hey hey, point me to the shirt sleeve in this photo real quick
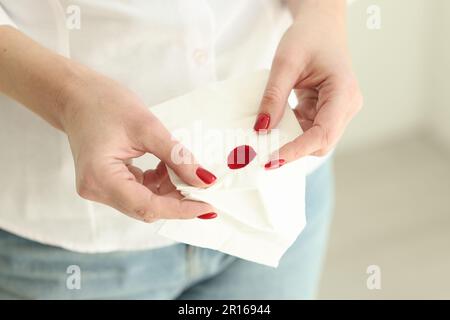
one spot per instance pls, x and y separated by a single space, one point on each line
5 19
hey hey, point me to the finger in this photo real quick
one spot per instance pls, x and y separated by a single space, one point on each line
139 202
154 177
307 103
161 143
306 108
166 187
158 180
304 123
282 79
326 129
307 143
176 195
137 173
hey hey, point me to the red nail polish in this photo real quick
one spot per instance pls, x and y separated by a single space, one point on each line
240 156
209 215
206 176
274 164
262 122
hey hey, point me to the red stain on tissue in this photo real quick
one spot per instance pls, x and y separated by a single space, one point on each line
240 157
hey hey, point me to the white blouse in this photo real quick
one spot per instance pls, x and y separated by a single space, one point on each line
160 49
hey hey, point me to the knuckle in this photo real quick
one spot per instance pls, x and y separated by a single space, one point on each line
86 186
83 191
272 95
322 152
149 213
146 215
149 217
285 61
143 124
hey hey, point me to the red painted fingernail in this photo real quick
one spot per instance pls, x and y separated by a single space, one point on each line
206 176
240 156
262 122
274 164
209 215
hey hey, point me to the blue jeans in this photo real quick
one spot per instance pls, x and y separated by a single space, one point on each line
32 270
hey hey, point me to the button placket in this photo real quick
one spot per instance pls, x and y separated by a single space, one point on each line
201 57
199 41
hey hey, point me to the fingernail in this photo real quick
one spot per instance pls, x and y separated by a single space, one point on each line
274 164
209 215
240 157
206 176
262 122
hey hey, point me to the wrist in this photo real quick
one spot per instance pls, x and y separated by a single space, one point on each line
65 94
39 79
334 9
69 96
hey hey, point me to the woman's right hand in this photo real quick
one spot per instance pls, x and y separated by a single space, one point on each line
107 126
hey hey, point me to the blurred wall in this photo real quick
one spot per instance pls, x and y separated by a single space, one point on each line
439 87
401 71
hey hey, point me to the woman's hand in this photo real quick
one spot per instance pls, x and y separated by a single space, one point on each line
312 59
107 126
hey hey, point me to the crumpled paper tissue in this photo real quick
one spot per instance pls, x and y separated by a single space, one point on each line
260 212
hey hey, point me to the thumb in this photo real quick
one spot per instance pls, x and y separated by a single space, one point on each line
282 79
177 157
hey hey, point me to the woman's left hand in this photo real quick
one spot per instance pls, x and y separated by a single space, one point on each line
312 59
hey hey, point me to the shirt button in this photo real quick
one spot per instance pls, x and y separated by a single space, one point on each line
200 56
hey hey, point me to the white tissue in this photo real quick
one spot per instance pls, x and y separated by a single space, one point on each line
260 212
